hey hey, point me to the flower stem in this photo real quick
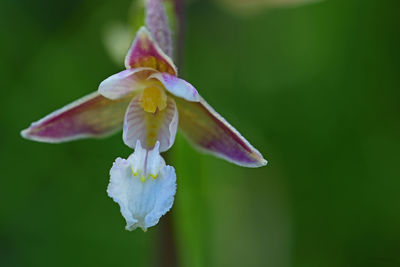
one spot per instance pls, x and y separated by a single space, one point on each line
167 247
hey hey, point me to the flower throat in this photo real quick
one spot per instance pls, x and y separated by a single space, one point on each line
153 98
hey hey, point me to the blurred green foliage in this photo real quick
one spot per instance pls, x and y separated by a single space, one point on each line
314 88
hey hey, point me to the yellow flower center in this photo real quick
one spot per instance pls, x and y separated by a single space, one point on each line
153 98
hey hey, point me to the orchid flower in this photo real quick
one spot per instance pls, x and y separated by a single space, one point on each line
148 101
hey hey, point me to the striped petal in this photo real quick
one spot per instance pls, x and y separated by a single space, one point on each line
145 52
207 130
177 87
125 82
150 127
90 116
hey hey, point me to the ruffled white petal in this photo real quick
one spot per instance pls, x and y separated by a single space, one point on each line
142 201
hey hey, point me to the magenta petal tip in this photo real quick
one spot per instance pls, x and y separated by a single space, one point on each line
90 116
211 133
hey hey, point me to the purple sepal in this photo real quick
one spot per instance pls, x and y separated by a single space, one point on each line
91 116
144 52
210 132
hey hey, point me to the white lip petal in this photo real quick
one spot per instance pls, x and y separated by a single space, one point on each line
142 201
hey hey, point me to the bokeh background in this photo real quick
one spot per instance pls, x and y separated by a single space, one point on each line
316 88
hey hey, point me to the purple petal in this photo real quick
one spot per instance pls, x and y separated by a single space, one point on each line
125 82
177 87
145 53
150 127
91 116
207 130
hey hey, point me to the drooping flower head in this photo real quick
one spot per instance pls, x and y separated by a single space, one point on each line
149 101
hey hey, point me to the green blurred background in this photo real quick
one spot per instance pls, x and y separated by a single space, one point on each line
315 88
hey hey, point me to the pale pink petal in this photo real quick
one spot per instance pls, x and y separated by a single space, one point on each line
145 53
91 116
207 130
150 127
177 87
125 82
